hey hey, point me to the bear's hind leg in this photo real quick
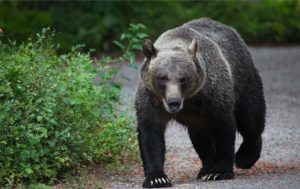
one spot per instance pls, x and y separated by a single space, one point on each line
250 118
248 153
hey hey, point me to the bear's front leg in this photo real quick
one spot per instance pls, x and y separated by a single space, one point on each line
223 131
152 148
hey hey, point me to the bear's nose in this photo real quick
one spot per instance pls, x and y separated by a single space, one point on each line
174 103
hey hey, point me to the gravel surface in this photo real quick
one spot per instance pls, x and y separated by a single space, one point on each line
279 165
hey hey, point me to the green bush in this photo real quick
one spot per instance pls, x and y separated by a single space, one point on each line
53 117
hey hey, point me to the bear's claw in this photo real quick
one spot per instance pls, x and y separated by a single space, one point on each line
157 182
210 177
216 176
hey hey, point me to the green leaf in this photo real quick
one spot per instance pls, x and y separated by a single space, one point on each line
142 35
142 26
131 57
123 36
137 47
119 44
135 40
28 170
39 118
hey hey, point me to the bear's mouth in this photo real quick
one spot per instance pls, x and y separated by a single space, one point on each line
173 105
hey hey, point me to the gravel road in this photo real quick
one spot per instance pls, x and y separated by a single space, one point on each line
279 165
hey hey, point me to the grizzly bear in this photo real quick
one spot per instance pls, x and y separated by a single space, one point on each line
202 76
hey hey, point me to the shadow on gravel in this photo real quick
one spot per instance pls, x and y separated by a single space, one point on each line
262 167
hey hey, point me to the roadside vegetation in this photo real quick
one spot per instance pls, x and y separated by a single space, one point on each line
96 24
60 112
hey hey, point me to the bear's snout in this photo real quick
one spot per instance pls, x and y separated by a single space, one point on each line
174 104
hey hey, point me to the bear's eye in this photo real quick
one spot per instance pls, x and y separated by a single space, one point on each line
162 79
182 80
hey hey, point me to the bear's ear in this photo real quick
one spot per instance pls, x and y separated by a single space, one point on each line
192 49
149 49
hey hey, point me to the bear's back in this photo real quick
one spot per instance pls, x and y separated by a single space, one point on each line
227 38
214 30
233 48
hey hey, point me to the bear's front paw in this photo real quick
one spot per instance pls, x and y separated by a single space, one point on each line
220 171
216 176
157 182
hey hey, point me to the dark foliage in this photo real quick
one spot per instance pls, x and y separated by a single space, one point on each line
97 23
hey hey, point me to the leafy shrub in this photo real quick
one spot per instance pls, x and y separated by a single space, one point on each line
130 42
53 117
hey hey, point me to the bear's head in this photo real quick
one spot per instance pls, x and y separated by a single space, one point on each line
172 74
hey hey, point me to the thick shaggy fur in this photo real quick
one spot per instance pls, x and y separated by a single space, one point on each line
221 93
